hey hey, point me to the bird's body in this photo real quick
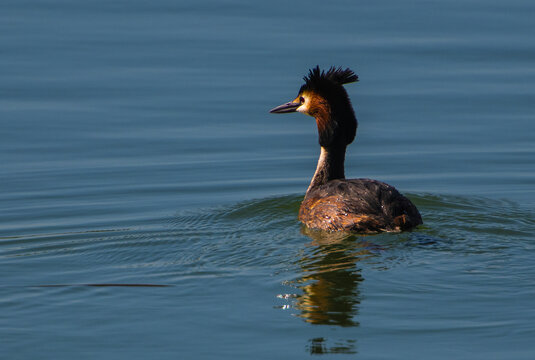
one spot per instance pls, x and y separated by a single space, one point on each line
332 202
358 205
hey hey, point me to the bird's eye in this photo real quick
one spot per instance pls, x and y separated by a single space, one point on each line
302 99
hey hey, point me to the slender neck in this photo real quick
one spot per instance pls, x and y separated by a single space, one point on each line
330 166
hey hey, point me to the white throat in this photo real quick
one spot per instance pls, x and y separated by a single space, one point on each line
321 164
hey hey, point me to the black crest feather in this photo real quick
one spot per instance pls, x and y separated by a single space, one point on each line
338 76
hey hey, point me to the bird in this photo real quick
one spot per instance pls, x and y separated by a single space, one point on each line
332 202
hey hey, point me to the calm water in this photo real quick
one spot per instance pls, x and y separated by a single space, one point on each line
136 149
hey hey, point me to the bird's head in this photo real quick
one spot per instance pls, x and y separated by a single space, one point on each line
323 97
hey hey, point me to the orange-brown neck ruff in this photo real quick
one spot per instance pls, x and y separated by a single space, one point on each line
320 109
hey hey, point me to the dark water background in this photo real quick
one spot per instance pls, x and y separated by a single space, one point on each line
136 148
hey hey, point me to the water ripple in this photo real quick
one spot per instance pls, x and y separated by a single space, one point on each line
264 235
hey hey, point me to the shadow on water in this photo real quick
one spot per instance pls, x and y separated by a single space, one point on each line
104 285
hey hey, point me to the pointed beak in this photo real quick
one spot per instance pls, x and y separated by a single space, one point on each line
285 108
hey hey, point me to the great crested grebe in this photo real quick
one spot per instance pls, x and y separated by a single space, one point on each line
332 202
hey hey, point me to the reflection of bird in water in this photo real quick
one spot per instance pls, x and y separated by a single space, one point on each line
330 279
329 284
331 201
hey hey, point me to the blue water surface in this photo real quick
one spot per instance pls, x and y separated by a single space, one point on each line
149 200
